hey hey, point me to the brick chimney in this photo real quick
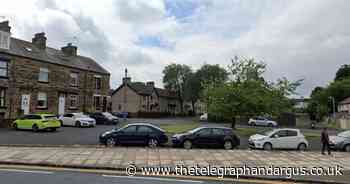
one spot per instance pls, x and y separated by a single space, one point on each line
150 83
39 40
4 26
70 50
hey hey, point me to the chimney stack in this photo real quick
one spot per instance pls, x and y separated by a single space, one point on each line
39 40
70 50
4 26
150 83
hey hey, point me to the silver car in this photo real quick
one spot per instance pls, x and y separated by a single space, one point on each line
341 141
261 121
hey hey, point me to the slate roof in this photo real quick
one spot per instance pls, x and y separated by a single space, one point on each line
345 101
50 55
142 89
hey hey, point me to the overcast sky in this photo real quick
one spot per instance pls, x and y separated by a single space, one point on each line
297 38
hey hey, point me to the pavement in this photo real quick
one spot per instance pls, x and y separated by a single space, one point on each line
120 158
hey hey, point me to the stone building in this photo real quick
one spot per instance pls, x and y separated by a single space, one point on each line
141 98
35 78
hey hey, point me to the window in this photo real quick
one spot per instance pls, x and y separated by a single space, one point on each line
281 133
217 131
204 132
97 82
130 129
68 115
144 129
2 97
4 40
44 75
292 133
73 101
119 107
74 79
97 102
42 100
33 117
3 68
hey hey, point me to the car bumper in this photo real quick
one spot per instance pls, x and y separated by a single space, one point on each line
336 146
87 124
50 125
255 145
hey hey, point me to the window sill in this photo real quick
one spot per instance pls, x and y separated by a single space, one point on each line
43 82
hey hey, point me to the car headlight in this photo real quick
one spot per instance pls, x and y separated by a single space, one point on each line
261 139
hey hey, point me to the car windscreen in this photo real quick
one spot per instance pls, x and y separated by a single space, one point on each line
194 130
344 134
267 133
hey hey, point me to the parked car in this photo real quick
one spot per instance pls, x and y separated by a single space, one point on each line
341 141
77 120
261 121
104 118
279 139
205 136
37 122
135 134
203 117
120 114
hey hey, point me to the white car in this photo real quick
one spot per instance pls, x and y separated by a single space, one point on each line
285 138
260 121
77 119
110 116
204 117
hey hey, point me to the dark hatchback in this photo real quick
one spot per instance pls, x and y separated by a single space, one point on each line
103 119
205 136
135 134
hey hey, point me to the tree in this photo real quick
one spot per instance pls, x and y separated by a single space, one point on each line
343 73
192 90
247 93
175 78
213 74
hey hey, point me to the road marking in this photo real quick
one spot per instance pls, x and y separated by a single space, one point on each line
151 178
26 171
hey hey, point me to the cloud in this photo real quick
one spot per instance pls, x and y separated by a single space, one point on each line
297 39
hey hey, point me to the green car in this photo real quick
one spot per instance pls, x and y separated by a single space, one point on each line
37 122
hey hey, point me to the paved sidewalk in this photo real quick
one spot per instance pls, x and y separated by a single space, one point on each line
122 157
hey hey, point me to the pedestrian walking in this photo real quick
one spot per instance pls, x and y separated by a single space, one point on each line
325 141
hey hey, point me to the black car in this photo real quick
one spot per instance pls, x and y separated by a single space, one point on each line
104 118
135 134
205 136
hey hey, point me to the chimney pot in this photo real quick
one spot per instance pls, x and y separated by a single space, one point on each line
39 40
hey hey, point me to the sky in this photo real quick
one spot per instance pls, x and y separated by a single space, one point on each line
297 39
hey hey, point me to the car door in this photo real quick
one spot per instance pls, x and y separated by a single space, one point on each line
143 134
292 139
279 139
203 137
218 136
128 135
23 121
67 119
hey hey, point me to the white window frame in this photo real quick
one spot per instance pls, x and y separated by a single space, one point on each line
42 96
5 40
43 71
4 68
74 76
98 77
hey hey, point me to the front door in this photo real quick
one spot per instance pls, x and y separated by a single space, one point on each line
25 103
61 104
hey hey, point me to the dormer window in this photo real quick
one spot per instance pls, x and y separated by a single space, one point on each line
5 40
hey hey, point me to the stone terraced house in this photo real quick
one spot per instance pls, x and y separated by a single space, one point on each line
139 99
35 78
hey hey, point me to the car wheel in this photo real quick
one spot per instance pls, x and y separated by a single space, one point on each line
15 126
77 124
267 146
53 129
110 142
35 128
302 147
187 144
152 143
228 145
347 148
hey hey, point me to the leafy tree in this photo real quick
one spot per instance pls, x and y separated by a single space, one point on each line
343 73
192 90
212 74
248 94
175 78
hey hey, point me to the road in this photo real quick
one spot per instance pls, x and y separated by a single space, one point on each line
89 136
32 176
